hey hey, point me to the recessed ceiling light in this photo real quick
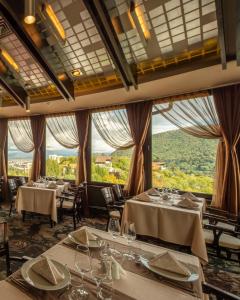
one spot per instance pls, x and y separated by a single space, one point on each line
29 12
62 76
76 73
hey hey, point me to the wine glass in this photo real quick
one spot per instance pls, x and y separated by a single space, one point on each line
114 229
83 265
129 233
101 274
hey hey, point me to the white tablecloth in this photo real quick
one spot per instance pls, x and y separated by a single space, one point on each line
169 223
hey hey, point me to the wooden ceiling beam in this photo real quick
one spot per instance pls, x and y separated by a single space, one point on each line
17 92
66 87
221 33
103 23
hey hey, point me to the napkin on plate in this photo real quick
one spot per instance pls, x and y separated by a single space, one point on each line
114 269
143 197
46 268
83 236
52 185
60 182
153 192
191 197
167 261
187 203
30 183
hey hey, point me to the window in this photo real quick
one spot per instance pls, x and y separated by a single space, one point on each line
108 164
61 162
180 160
19 163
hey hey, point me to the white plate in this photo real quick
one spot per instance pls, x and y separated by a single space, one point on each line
170 275
92 244
38 281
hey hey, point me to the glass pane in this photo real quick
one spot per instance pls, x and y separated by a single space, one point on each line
61 162
180 160
108 164
19 163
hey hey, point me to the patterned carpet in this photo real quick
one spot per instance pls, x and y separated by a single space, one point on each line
35 236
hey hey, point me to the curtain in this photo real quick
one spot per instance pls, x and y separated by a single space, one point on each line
196 116
64 130
38 129
21 133
114 128
3 163
227 103
82 120
139 117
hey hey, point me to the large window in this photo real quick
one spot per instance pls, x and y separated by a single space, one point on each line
180 160
108 165
61 162
19 163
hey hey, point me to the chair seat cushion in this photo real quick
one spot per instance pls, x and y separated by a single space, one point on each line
115 214
229 241
226 240
220 224
65 204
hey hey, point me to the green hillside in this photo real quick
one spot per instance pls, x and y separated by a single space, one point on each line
182 151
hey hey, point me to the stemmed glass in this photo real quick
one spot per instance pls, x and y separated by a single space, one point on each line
114 229
100 275
83 266
129 233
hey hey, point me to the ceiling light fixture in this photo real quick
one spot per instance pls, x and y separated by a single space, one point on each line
62 77
28 104
51 16
29 12
76 73
137 19
8 58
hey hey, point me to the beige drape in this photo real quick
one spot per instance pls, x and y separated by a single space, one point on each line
64 130
38 129
227 103
139 117
3 162
82 121
21 133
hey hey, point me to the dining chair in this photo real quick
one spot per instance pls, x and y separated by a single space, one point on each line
114 210
218 293
4 247
223 235
119 195
12 188
21 181
71 204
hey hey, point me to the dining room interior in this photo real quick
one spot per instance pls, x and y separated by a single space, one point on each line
120 149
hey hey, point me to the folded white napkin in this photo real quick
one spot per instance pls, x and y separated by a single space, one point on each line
60 182
52 185
153 192
83 236
114 270
143 197
30 183
190 196
187 203
47 269
168 262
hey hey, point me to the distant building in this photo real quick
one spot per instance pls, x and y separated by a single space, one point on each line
158 165
55 157
103 161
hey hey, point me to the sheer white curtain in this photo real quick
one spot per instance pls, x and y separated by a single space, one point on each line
21 133
64 130
113 127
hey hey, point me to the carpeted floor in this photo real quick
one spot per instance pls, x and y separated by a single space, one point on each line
35 236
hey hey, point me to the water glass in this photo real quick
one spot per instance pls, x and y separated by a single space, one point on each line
129 233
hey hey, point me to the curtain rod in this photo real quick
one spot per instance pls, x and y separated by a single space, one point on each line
123 104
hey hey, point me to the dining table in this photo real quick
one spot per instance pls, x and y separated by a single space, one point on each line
164 220
40 198
137 283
